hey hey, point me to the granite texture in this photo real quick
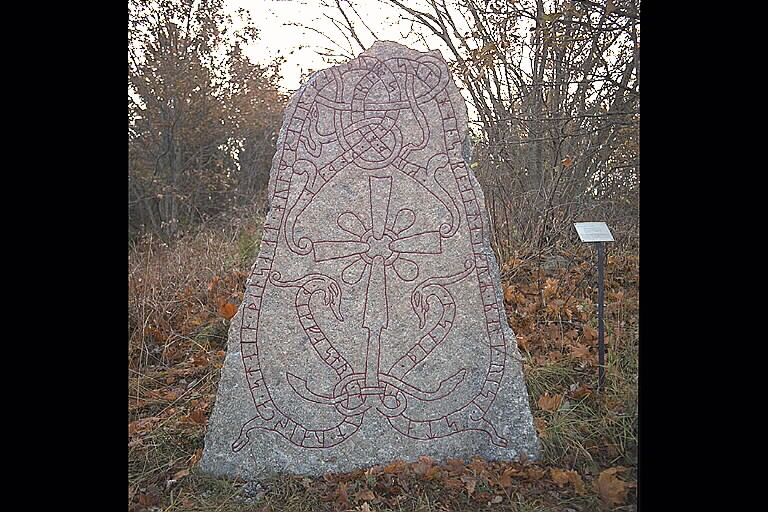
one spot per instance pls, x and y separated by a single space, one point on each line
372 326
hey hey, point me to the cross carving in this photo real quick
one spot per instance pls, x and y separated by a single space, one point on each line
379 249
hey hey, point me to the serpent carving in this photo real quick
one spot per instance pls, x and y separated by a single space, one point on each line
350 397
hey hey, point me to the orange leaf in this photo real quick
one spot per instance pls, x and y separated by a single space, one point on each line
197 416
196 457
422 466
433 472
506 476
180 474
562 477
550 403
227 310
567 161
395 467
559 476
580 351
581 391
535 473
611 489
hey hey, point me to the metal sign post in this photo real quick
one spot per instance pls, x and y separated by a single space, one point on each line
598 232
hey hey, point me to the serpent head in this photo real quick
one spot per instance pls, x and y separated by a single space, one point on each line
332 299
420 306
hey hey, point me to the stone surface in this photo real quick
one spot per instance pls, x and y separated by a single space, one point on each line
372 326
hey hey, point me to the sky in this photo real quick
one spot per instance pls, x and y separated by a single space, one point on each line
281 35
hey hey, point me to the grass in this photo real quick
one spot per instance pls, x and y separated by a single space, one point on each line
593 431
177 339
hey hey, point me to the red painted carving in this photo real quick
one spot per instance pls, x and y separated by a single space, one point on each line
377 242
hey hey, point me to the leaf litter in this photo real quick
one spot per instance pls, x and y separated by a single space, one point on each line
170 400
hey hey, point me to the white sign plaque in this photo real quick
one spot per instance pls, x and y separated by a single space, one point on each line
594 232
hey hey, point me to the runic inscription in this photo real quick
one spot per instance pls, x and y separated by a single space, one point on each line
373 298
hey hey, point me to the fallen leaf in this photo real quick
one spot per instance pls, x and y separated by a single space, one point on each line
612 490
180 474
559 476
477 464
422 466
150 497
395 467
535 473
563 477
550 403
196 457
200 360
365 507
196 416
341 494
365 495
506 476
580 351
455 466
142 425
433 472
227 310
567 161
452 483
496 499
581 391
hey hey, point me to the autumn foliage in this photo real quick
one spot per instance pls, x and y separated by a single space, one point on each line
203 118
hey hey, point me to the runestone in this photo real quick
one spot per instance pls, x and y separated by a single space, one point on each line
372 326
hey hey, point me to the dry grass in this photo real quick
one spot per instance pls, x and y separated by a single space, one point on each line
176 347
174 293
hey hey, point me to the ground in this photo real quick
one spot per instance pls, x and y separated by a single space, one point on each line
181 298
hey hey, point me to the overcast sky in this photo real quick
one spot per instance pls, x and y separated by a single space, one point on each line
279 34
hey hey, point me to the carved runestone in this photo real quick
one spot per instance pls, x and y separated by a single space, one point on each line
372 326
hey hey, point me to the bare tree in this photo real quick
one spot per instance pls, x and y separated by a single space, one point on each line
554 88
